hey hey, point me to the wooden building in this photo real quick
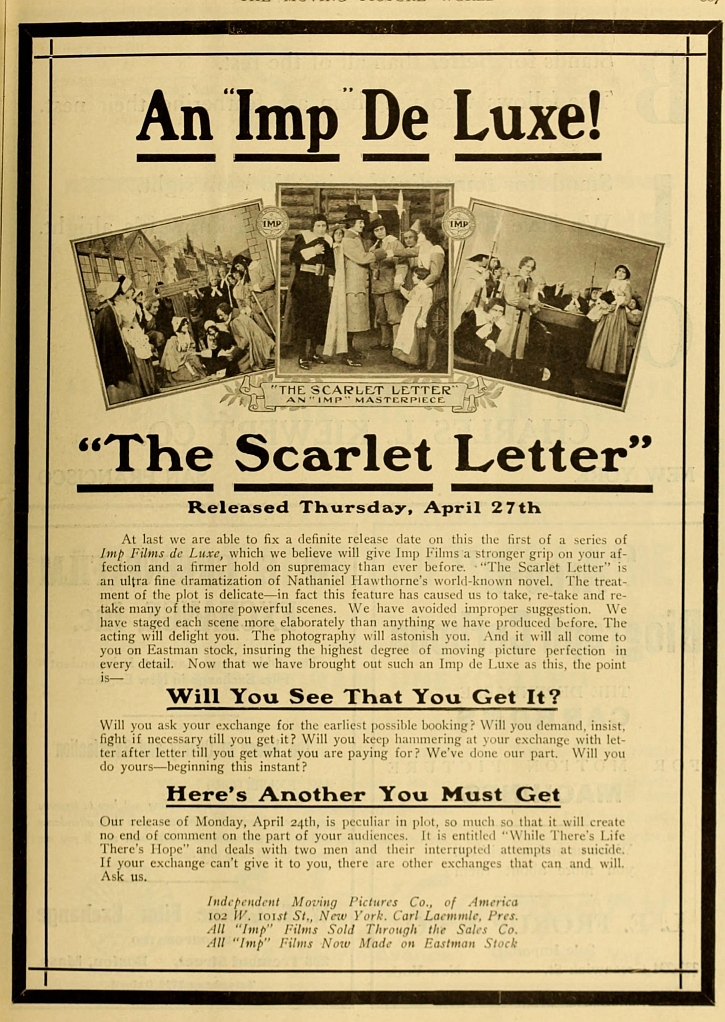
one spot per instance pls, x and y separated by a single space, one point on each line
399 207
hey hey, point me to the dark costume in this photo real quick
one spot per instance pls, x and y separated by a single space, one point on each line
165 316
308 303
115 363
125 360
212 297
237 361
573 304
470 336
195 305
553 294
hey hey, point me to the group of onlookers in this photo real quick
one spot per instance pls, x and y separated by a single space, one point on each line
144 346
345 280
349 278
495 309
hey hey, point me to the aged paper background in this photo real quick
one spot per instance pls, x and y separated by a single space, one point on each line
140 209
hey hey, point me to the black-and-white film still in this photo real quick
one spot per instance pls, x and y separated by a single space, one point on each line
364 279
551 305
178 304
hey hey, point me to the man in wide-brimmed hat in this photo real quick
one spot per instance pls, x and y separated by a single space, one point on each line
312 272
357 278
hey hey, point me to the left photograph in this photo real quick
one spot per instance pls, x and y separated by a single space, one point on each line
180 303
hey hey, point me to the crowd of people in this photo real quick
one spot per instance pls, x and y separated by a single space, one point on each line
498 325
145 347
350 278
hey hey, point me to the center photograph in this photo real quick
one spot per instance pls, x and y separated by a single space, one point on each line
364 281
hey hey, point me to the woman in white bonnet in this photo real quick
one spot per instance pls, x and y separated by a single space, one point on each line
124 350
180 361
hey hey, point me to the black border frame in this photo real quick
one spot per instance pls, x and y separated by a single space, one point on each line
26 34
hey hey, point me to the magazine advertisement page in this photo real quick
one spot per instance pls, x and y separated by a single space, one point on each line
366 416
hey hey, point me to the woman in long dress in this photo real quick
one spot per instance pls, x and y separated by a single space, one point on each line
411 339
138 348
336 332
180 361
608 352
113 353
432 257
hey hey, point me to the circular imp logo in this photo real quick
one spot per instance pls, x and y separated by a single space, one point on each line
272 222
458 223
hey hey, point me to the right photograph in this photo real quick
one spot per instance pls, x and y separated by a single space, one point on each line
551 305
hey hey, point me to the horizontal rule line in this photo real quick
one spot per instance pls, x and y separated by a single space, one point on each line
145 488
368 709
395 157
175 157
223 30
370 53
286 157
550 488
333 487
636 972
528 157
357 805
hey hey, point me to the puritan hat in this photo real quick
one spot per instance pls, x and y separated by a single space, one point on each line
354 212
107 289
479 257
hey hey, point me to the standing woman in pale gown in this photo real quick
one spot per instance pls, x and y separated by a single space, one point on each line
432 256
138 348
608 352
412 337
336 333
